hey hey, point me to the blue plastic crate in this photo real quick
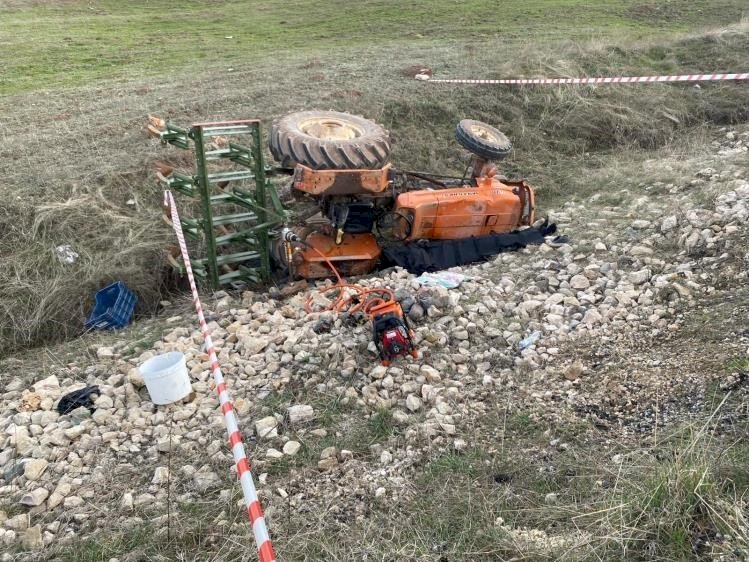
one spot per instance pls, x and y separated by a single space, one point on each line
114 307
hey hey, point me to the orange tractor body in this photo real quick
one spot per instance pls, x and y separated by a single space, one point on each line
484 206
462 212
363 204
356 254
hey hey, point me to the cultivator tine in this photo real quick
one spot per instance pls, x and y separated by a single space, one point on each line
163 170
156 126
218 143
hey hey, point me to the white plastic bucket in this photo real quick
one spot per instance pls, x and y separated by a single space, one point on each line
166 377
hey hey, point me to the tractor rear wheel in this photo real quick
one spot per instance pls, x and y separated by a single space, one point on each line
329 140
482 140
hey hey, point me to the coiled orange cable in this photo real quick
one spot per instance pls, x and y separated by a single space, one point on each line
357 299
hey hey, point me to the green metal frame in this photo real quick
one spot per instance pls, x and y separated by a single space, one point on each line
260 208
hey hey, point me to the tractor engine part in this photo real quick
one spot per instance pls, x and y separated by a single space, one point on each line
329 140
352 218
482 140
342 182
307 255
391 333
444 214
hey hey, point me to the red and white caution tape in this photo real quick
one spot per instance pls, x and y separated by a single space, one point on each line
254 510
601 80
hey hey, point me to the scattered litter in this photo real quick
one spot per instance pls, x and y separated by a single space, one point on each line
114 308
66 255
446 279
228 37
528 341
422 77
166 377
78 399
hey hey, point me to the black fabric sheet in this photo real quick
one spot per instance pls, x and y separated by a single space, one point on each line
435 255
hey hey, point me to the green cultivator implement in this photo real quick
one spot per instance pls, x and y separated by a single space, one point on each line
239 205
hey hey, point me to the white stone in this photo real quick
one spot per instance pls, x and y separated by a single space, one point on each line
48 387
35 497
8 537
291 448
34 469
105 402
413 403
328 452
592 317
135 378
57 497
431 374
160 475
73 502
126 503
300 413
640 277
669 223
266 428
579 282
205 480
105 352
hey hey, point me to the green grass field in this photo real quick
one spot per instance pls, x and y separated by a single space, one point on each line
46 45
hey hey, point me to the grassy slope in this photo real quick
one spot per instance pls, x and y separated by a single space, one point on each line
50 45
75 155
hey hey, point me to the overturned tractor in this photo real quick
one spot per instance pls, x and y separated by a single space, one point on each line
347 206
362 204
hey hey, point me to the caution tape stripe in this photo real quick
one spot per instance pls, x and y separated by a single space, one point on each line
241 462
599 79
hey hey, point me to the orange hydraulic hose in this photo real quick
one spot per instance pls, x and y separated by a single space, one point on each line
362 299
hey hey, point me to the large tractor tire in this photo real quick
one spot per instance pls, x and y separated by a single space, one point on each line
482 140
329 140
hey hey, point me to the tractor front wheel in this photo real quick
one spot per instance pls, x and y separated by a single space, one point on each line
482 140
329 140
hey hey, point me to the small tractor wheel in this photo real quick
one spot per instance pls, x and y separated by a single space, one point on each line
329 140
482 140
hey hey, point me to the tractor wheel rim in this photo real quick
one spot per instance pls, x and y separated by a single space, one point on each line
330 128
487 135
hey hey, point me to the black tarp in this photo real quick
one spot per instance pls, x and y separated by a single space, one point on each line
435 255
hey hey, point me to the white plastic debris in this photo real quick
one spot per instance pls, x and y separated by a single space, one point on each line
446 279
65 254
525 343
